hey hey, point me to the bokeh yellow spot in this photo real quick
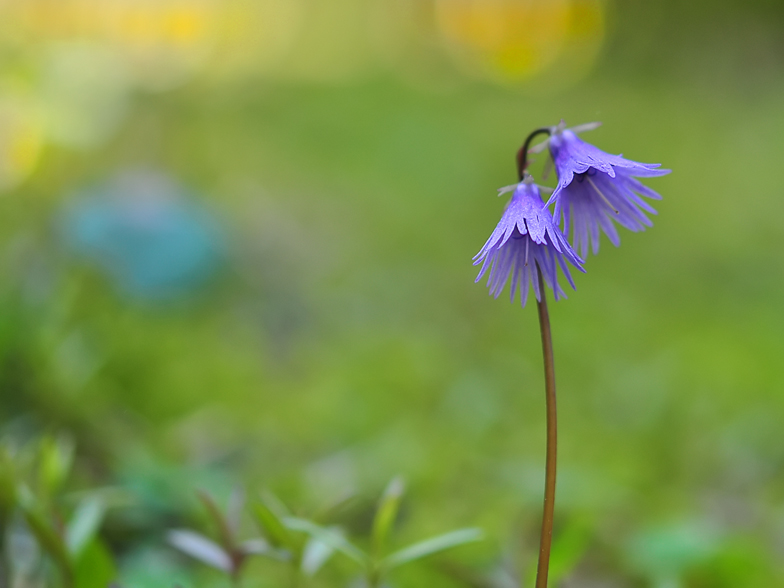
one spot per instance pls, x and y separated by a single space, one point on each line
20 140
184 26
514 40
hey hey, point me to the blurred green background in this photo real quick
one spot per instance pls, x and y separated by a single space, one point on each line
235 249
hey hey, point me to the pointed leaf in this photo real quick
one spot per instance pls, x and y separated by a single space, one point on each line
48 538
314 556
272 525
201 548
569 546
432 546
255 547
221 522
330 536
55 458
7 484
84 524
386 513
274 504
21 550
261 547
94 568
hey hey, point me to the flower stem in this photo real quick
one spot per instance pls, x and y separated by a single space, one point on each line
522 155
545 541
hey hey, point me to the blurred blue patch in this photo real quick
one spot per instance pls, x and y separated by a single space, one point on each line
147 233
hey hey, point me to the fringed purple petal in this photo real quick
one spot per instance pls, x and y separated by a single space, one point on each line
596 188
513 252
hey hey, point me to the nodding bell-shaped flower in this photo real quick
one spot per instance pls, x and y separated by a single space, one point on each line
525 239
596 188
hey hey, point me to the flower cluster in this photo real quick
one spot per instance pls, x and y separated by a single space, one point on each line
594 189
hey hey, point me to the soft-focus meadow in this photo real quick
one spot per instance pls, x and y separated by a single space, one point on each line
235 258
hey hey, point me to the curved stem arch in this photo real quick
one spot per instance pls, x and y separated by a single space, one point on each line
522 155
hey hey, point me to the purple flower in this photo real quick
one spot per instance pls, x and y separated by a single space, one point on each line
526 237
595 188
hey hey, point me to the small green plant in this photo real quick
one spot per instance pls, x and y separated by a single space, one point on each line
306 555
306 544
49 537
376 563
228 554
303 555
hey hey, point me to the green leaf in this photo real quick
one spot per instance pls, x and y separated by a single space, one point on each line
328 536
274 504
272 524
262 547
432 546
94 568
568 547
386 513
48 538
200 547
7 483
224 527
668 551
55 458
314 556
84 524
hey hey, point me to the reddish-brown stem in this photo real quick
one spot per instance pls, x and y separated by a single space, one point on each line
545 541
522 154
